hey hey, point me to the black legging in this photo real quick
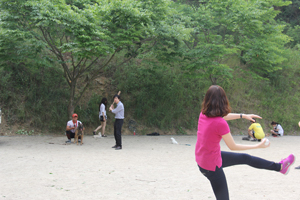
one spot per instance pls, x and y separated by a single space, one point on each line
217 178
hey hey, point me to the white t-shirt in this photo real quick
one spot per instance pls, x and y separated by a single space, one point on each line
280 129
102 109
71 124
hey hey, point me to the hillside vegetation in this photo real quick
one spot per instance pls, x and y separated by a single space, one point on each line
64 56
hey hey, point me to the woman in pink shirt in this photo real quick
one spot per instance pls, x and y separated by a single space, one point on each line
212 127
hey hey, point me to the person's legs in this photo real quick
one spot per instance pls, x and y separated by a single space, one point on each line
218 182
251 133
230 158
97 128
118 126
69 136
103 124
254 137
274 133
94 132
115 135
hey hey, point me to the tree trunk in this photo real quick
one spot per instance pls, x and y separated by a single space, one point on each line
71 106
70 109
213 80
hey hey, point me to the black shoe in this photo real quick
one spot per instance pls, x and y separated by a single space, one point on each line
246 138
114 146
94 133
118 148
254 140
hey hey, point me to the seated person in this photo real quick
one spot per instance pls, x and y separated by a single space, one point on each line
277 129
71 128
255 132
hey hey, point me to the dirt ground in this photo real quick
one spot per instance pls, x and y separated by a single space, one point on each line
148 167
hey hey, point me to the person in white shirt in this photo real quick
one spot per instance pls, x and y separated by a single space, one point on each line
71 127
277 129
102 117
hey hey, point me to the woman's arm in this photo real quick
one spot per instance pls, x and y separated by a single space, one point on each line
232 116
233 146
68 128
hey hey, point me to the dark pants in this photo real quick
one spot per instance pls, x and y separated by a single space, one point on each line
217 178
71 135
117 131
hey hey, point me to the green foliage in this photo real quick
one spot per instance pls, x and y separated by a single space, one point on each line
222 29
50 52
289 13
160 97
290 16
24 132
84 36
275 99
181 131
89 114
35 97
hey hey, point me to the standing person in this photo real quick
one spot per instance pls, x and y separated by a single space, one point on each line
255 131
119 116
102 117
71 128
212 127
277 129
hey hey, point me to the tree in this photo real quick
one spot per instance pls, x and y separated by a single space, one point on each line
234 28
84 36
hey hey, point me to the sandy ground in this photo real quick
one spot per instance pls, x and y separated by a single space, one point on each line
148 167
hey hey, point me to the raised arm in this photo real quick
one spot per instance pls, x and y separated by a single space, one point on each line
117 109
233 146
232 116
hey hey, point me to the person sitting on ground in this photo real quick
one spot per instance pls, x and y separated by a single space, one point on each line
255 132
71 128
277 129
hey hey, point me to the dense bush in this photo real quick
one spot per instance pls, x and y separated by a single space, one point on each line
35 97
162 97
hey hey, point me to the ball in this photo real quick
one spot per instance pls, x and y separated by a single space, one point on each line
267 141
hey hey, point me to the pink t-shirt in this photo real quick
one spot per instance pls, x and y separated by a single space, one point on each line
209 135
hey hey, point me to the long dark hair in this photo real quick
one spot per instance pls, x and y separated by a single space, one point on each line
215 102
103 101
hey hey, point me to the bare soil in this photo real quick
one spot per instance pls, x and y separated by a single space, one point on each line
148 167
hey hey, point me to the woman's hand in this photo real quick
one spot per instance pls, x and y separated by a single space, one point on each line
262 143
250 117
